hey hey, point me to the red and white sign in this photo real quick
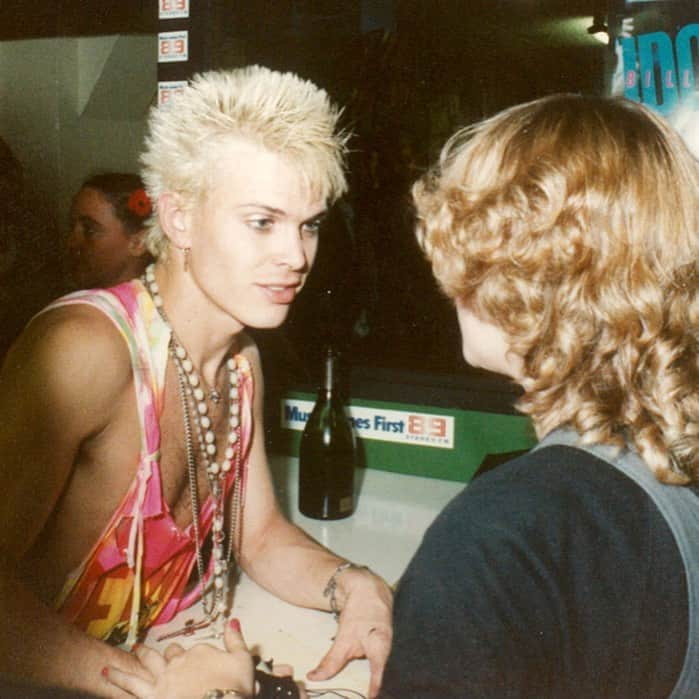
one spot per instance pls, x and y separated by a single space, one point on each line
168 90
173 46
172 9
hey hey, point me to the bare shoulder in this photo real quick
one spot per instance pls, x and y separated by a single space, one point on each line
59 386
68 354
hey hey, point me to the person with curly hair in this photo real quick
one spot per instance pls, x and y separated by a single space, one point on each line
108 221
566 231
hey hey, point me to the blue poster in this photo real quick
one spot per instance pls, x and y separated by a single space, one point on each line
657 60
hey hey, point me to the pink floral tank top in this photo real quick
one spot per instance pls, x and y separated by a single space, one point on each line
136 574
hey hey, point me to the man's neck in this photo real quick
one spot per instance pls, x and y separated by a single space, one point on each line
205 332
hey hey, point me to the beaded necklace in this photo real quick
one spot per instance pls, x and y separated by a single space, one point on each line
193 399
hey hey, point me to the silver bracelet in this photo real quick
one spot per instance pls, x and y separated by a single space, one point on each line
331 587
223 694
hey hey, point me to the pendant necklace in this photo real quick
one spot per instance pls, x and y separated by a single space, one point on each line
193 400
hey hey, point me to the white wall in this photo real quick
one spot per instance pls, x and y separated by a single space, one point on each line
72 106
29 111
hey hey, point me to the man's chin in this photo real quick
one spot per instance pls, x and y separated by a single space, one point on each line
267 323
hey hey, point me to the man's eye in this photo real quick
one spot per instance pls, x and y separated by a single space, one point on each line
312 227
260 224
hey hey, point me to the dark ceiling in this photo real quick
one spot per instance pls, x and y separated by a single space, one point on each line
23 19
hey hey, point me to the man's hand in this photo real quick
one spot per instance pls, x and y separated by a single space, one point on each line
364 628
183 674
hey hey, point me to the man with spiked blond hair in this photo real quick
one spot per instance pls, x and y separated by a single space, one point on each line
131 417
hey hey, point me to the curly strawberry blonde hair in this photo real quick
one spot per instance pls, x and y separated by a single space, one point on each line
572 223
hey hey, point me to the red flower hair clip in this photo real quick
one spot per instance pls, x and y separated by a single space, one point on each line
139 203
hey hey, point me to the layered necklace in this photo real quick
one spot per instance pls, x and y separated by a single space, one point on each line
193 397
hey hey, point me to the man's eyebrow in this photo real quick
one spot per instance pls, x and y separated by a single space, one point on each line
280 212
321 214
265 207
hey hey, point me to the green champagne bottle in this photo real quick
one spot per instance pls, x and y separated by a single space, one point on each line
328 453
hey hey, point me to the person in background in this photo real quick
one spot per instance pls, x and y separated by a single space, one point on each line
131 430
566 232
106 244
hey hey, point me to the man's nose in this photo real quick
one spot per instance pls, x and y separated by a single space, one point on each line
292 251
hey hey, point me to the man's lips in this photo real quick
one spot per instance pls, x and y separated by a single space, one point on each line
281 293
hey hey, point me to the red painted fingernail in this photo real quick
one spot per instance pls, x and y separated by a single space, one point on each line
235 625
105 671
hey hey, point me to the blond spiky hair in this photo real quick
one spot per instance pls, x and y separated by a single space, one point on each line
278 111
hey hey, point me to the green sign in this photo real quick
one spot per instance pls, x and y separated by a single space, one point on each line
414 439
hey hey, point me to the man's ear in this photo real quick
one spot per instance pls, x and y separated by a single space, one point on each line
173 217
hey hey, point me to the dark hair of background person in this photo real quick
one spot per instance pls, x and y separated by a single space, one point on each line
117 187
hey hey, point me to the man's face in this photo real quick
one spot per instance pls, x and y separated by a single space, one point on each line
98 244
254 235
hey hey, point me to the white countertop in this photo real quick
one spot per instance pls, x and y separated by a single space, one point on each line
393 511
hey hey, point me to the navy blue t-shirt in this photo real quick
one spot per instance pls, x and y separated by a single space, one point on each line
551 576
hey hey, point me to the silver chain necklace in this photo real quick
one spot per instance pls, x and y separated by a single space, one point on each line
192 398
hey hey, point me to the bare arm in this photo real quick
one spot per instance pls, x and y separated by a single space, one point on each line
55 394
273 550
286 561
